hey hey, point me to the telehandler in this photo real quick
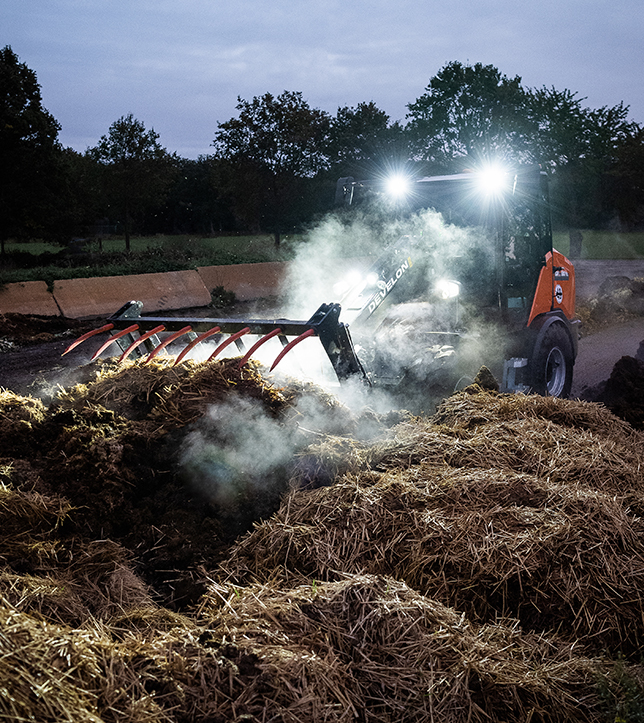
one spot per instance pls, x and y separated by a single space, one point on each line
430 311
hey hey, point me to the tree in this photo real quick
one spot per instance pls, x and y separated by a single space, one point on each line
137 170
29 151
268 157
579 146
363 142
194 204
469 113
474 113
627 179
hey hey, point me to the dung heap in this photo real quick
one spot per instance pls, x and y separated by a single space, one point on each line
205 543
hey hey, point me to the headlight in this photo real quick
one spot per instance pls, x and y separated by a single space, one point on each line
447 289
350 281
397 186
493 179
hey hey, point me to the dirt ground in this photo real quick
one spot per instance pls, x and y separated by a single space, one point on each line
600 351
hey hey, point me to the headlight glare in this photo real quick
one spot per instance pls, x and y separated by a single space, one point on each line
447 289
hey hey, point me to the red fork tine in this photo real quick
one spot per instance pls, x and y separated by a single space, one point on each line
194 342
167 341
257 344
290 345
86 336
230 340
113 338
139 341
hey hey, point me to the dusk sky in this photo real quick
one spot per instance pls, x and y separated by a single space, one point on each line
179 65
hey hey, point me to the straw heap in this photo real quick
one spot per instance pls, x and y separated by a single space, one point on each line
482 565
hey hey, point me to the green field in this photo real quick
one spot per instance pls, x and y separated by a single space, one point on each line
148 255
604 244
251 249
175 253
219 249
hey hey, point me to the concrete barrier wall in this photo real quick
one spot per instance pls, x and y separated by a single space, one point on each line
85 298
247 281
28 297
96 297
102 296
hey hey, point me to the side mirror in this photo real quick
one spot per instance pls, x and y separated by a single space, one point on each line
344 191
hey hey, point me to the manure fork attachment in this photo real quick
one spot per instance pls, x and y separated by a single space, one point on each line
133 332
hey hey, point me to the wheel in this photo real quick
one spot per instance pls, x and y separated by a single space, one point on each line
552 363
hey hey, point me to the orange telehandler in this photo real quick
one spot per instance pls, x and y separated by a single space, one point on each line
429 312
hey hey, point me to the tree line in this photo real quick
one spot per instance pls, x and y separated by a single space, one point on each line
274 165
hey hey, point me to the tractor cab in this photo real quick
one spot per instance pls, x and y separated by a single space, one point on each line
480 262
494 239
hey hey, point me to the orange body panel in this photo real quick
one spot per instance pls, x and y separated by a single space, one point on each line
555 288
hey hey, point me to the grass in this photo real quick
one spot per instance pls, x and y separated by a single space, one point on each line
46 262
604 244
226 249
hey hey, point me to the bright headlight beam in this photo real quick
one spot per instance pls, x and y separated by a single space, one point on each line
350 281
397 186
447 289
493 179
372 279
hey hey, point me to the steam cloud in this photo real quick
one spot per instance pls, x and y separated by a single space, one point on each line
240 454
236 446
338 248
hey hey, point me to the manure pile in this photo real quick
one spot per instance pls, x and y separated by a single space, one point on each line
202 543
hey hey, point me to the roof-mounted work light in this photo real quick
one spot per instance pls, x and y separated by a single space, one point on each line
397 186
493 179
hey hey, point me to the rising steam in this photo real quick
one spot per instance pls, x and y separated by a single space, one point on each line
235 448
398 338
240 455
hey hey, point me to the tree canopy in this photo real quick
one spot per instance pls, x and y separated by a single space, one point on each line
364 141
137 169
28 148
473 113
267 154
469 112
275 163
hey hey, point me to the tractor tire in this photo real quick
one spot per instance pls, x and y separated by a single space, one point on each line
552 363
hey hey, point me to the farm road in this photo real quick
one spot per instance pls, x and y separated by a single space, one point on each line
591 273
599 352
